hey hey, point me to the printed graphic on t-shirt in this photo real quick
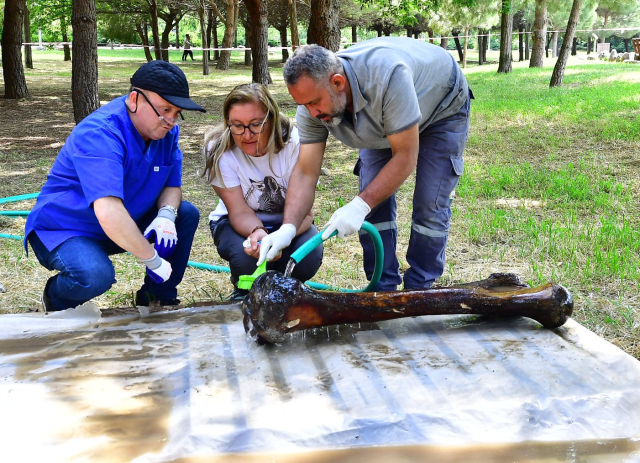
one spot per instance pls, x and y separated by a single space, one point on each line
271 194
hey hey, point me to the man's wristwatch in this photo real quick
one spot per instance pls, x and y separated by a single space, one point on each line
171 208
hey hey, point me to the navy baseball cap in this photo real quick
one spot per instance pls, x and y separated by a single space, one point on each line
168 81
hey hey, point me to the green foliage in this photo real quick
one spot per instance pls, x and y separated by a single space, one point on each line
402 11
50 16
116 28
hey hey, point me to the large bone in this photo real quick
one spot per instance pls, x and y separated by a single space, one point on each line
277 305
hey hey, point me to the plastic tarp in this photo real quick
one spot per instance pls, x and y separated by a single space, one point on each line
190 383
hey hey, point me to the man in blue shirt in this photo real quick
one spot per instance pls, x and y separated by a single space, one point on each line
114 187
405 104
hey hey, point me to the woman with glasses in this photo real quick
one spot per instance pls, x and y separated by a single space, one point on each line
248 160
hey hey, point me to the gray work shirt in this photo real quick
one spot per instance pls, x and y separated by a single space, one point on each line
396 82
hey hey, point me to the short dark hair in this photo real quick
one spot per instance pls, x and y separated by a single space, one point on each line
312 61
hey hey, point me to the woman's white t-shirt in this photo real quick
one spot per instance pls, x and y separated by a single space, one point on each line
264 180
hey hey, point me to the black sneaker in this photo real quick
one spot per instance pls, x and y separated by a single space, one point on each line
145 299
238 294
47 305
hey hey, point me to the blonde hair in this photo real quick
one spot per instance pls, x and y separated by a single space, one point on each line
219 139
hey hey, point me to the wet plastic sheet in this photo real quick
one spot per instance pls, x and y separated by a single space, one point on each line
191 383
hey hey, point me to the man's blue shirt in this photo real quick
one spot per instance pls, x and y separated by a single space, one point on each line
103 156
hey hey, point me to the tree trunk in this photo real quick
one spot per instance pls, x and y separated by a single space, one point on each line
558 70
324 24
229 31
293 20
604 26
155 29
521 43
444 42
203 37
248 42
526 45
546 48
66 48
485 45
65 39
216 43
554 44
171 19
589 45
283 44
15 85
178 36
574 45
504 65
458 46
480 37
626 45
164 41
210 27
235 21
354 34
257 10
28 56
84 65
141 28
430 33
465 48
539 34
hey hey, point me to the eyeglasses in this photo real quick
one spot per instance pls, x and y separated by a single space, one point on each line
255 128
169 120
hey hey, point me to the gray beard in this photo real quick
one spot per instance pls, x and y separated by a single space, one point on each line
335 121
340 104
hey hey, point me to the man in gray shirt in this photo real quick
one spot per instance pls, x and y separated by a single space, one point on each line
405 104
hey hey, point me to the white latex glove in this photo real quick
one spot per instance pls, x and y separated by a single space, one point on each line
348 219
158 269
163 231
275 242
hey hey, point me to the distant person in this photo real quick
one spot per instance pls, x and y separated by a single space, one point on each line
186 45
115 185
248 160
405 104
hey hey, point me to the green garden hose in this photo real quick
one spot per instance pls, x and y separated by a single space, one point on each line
307 247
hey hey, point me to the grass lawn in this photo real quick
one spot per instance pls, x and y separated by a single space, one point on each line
550 190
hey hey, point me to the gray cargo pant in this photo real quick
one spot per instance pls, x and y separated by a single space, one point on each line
439 168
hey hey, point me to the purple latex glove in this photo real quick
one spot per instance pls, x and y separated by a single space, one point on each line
158 269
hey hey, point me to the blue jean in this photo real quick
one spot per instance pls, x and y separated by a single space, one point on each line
85 270
229 245
440 165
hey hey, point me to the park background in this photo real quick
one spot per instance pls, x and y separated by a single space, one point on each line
551 184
